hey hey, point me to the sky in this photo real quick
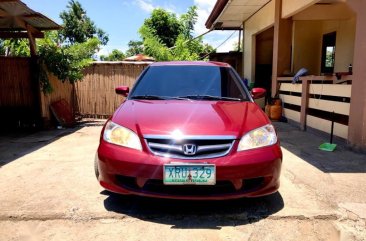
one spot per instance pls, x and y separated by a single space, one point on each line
121 19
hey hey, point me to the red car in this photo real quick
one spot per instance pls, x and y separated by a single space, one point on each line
189 130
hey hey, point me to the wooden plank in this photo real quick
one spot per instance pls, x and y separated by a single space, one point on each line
294 100
291 87
331 89
291 114
9 35
15 83
325 125
327 105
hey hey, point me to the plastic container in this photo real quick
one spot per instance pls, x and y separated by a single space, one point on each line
277 102
275 112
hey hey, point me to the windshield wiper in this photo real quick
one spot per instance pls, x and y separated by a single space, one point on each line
148 97
156 97
210 97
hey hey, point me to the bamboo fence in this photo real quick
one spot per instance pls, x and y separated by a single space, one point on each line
95 95
60 91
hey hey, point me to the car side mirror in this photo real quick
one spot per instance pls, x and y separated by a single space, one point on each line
258 93
122 90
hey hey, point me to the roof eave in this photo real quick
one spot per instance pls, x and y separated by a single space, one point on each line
215 13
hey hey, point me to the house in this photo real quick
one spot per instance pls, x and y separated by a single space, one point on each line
326 37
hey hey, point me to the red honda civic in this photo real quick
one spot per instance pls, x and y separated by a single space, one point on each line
189 130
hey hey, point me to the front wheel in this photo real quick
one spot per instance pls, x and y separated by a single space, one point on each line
96 169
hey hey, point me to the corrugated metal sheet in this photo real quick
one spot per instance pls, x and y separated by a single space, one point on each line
12 11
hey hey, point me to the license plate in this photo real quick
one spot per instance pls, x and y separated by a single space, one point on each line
194 174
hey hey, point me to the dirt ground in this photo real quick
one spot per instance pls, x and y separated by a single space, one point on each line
48 191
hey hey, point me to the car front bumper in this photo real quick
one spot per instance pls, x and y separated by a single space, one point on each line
239 174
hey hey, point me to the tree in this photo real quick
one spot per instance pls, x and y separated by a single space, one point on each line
165 25
188 20
64 61
134 48
172 44
64 53
78 27
115 55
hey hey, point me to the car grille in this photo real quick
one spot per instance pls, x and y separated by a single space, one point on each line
191 147
222 187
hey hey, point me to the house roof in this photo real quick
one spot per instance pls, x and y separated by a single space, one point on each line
16 18
139 57
231 14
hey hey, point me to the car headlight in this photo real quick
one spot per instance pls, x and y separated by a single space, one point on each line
263 136
122 136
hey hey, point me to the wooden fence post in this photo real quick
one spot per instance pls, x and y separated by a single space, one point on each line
304 102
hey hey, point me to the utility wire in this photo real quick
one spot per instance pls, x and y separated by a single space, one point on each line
189 40
219 45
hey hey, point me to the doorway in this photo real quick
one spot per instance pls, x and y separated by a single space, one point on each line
328 53
264 60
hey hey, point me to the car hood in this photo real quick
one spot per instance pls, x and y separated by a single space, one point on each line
162 117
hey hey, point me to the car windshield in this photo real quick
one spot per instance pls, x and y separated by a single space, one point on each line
189 82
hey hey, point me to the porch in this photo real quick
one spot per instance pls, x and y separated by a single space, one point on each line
326 38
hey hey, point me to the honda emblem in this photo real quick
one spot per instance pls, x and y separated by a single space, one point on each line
189 149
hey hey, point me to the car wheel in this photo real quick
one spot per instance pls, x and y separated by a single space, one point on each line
96 170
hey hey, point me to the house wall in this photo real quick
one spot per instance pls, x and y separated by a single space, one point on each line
307 44
344 43
357 132
260 21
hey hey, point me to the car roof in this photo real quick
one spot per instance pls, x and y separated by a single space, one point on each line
195 63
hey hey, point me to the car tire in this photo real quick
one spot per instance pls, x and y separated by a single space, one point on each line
96 169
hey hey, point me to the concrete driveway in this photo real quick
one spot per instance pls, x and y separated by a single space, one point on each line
48 191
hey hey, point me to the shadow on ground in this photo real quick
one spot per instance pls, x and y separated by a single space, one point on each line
15 144
305 145
183 214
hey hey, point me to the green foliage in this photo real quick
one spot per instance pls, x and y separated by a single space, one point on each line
164 42
134 48
78 27
65 61
188 20
165 25
115 55
154 46
16 47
